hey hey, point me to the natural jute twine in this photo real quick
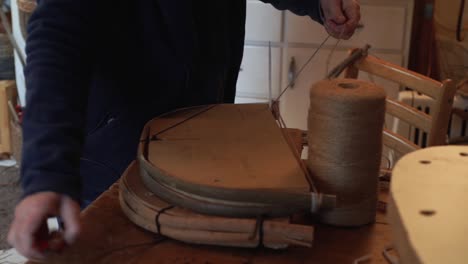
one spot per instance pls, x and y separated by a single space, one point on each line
345 122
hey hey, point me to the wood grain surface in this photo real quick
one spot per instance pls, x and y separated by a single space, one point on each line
219 149
109 237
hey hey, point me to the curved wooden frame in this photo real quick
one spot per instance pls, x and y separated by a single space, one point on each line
218 200
142 207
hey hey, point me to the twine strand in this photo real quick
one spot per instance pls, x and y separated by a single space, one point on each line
156 219
284 126
330 55
297 155
155 136
302 68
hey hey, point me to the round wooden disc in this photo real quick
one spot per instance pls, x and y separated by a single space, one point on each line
429 190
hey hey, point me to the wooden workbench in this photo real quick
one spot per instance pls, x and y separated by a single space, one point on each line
109 237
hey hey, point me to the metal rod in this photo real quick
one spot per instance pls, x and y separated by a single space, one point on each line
348 61
303 67
269 75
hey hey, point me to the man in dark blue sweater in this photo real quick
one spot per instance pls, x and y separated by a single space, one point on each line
98 70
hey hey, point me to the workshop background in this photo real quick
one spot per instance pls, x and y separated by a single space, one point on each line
426 36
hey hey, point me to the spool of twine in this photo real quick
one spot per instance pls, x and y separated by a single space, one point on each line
345 122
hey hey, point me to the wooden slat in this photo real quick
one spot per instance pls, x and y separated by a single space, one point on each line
398 143
460 113
400 75
441 92
441 113
409 114
463 140
6 91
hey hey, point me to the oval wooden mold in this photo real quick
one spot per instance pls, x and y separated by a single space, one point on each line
142 207
227 160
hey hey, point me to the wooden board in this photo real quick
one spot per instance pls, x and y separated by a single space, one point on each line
427 209
7 90
108 236
228 146
227 160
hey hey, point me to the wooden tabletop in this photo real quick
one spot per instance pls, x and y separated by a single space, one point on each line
109 237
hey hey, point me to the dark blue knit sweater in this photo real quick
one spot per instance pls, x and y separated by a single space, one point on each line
98 70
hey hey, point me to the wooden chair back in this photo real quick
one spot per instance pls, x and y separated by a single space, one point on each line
435 124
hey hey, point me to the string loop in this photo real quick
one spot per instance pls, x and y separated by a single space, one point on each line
158 224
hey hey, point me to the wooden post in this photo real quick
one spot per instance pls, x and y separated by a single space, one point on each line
7 92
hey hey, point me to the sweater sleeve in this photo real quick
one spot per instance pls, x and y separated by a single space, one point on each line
59 55
311 8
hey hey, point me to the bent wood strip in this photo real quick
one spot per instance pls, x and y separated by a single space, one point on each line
270 239
138 197
141 207
201 237
218 207
227 208
149 171
283 230
280 189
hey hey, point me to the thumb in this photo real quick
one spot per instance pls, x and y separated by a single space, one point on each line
333 11
70 213
351 9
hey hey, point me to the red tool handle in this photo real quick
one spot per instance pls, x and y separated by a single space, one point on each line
49 241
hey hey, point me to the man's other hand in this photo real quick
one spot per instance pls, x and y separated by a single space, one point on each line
341 17
32 212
